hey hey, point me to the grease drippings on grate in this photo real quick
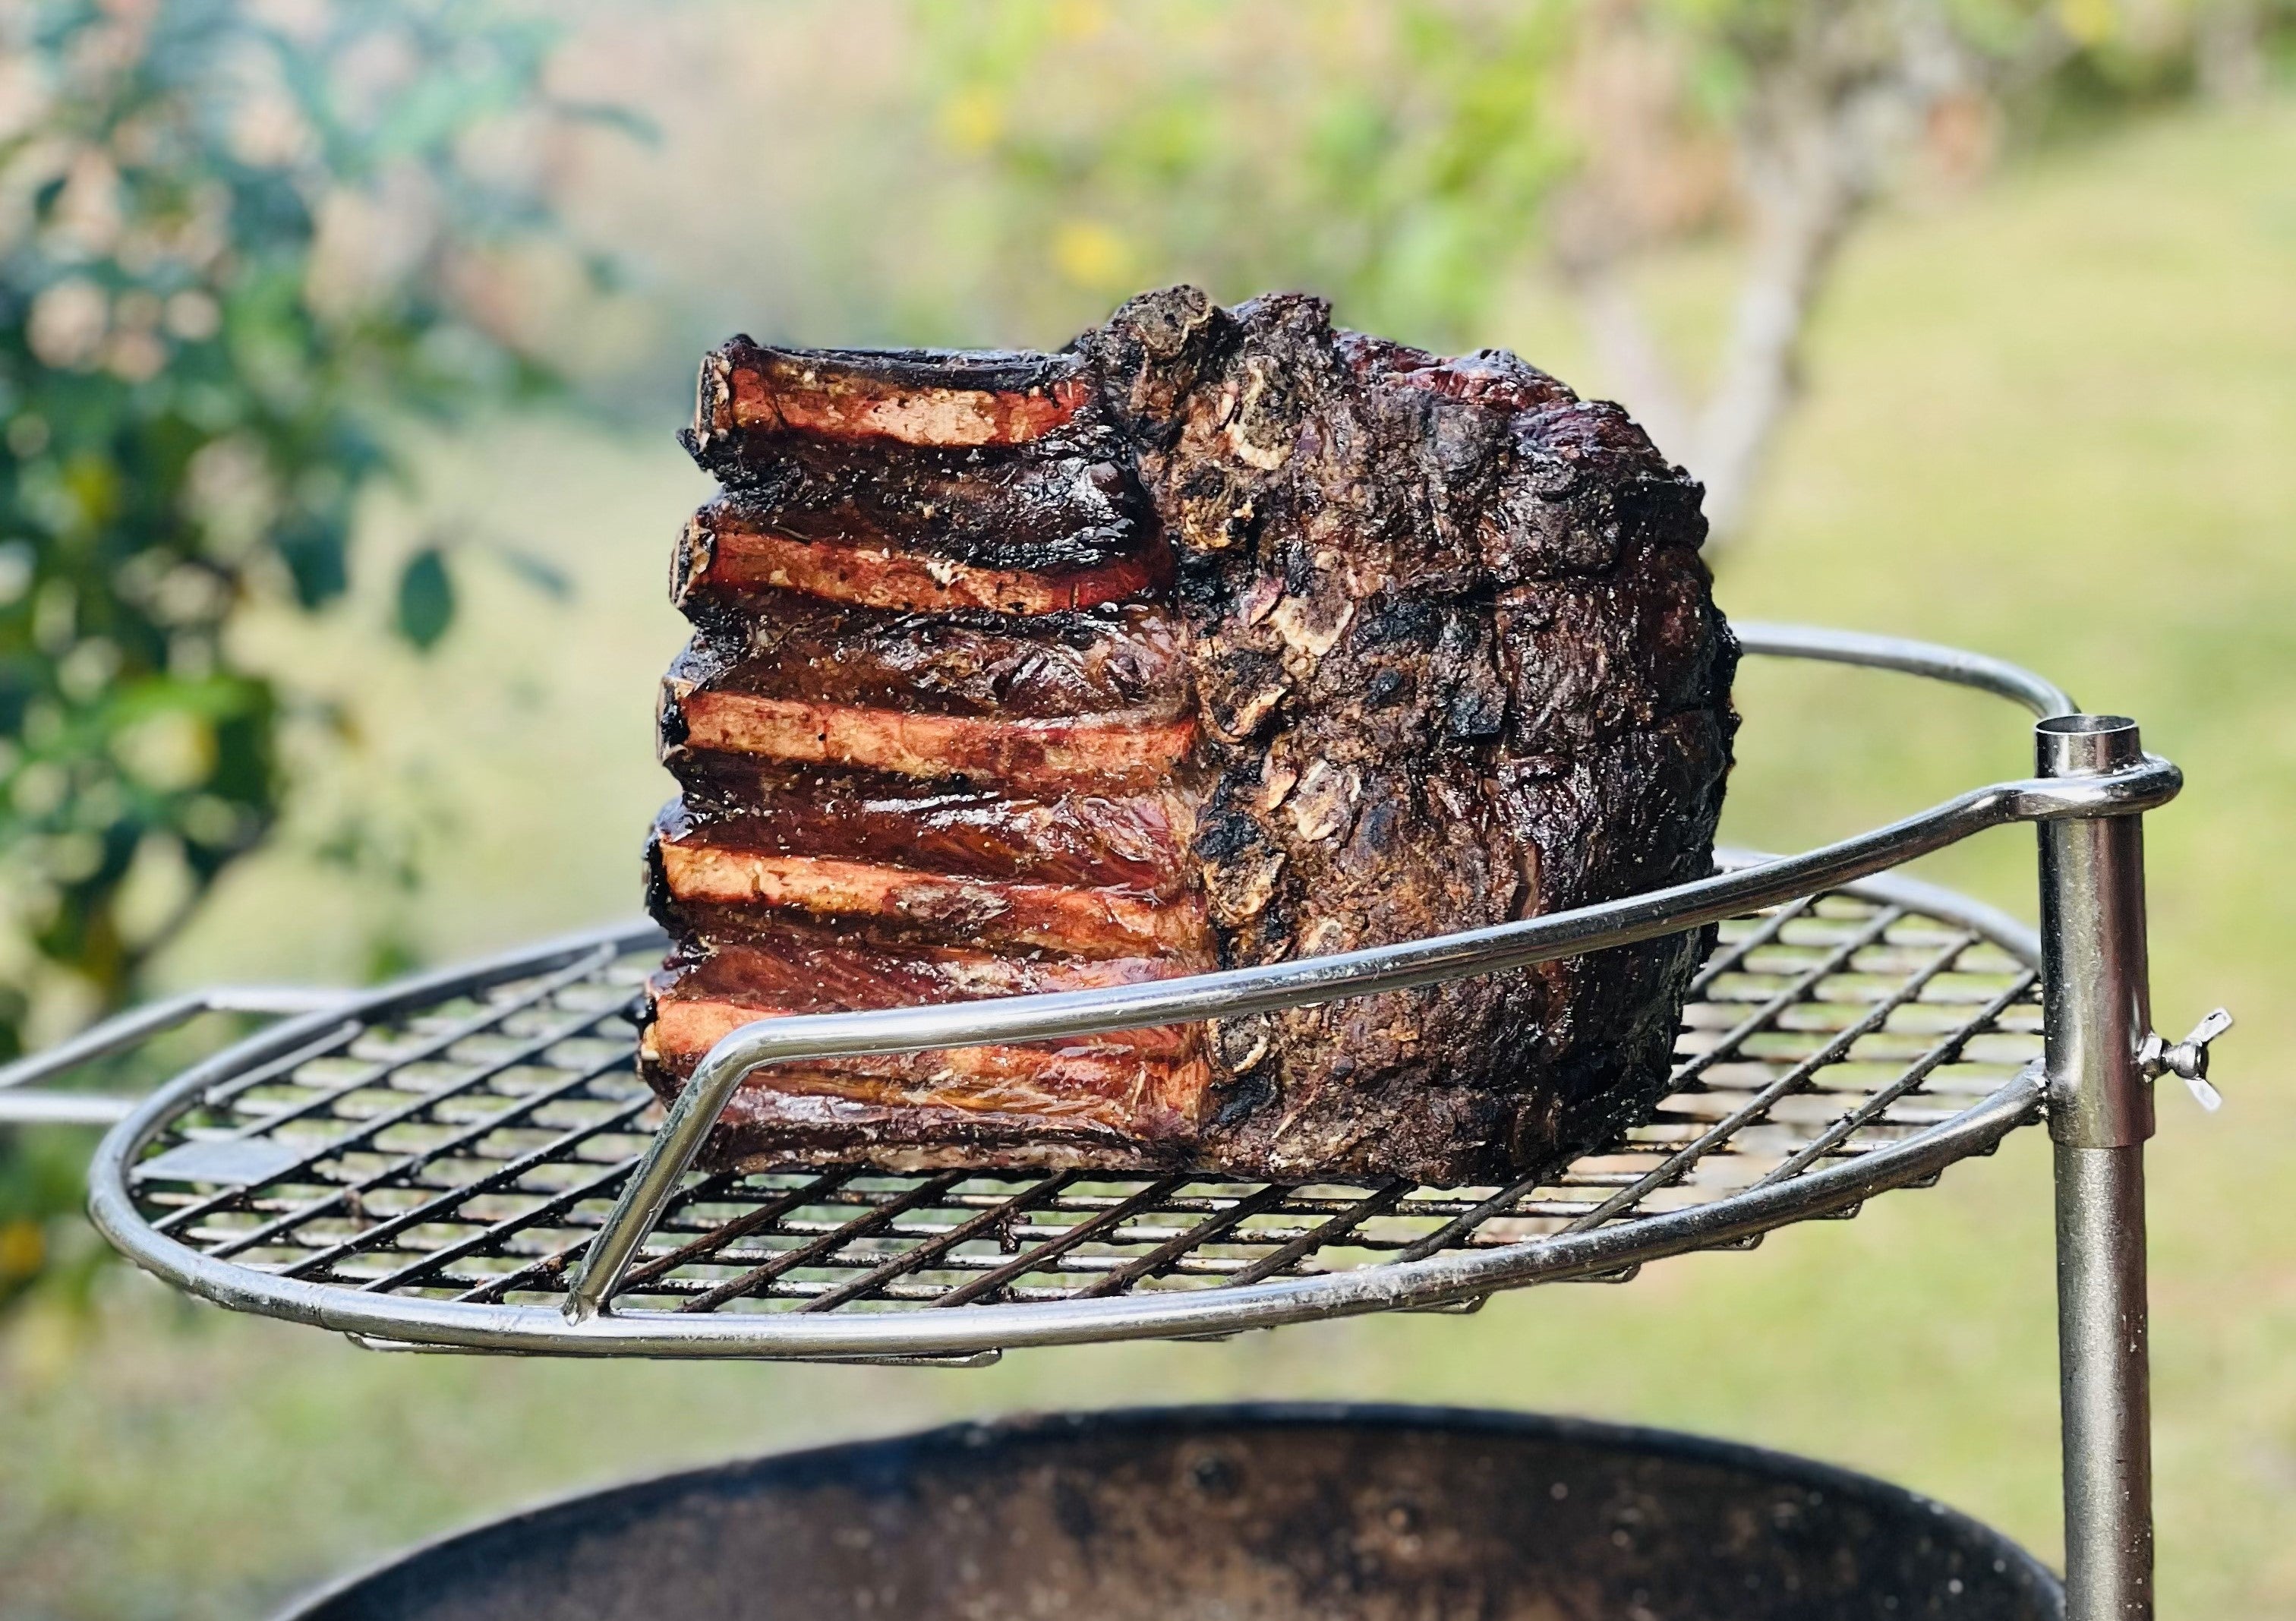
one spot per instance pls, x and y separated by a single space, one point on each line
469 1149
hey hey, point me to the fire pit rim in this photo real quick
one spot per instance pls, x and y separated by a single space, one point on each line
857 1462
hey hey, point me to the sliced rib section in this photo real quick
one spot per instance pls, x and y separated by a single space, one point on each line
1114 751
929 734
911 397
728 550
1066 503
1138 1092
1135 842
1123 660
1068 701
695 868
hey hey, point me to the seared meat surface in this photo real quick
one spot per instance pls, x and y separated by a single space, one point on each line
1224 637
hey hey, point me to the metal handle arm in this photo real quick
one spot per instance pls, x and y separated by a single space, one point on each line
1954 665
21 1105
2149 782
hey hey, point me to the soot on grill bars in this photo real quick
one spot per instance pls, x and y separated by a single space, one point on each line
1221 637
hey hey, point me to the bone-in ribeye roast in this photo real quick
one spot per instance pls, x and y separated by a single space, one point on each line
1222 637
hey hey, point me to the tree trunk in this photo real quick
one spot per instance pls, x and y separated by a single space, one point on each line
1798 229
2228 50
1628 350
1841 92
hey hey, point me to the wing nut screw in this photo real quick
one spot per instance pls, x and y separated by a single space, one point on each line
2188 1059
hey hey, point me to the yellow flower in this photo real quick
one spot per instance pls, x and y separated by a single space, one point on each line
1090 254
22 1247
972 119
1077 18
2089 21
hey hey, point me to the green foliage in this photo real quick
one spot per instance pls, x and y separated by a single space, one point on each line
39 1178
1415 157
1387 153
426 598
236 251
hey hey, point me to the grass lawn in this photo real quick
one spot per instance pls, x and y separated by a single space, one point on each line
2057 421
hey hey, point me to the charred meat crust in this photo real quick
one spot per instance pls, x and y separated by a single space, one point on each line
1125 659
1431 647
1457 661
1137 842
890 1130
1065 504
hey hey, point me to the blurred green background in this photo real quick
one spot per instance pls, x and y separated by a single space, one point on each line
339 488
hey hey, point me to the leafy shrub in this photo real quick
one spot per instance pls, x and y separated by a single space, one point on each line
238 244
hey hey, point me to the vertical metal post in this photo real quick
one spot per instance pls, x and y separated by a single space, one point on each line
2097 1011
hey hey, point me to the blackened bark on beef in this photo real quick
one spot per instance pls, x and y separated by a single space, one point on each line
1135 842
1125 658
1070 505
1457 662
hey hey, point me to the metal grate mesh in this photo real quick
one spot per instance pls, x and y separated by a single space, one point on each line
469 1150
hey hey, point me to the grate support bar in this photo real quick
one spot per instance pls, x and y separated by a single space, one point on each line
2097 1010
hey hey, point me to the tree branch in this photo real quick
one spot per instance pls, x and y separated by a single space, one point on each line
1798 230
1629 351
2228 50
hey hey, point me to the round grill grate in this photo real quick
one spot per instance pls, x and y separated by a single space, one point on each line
466 1148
